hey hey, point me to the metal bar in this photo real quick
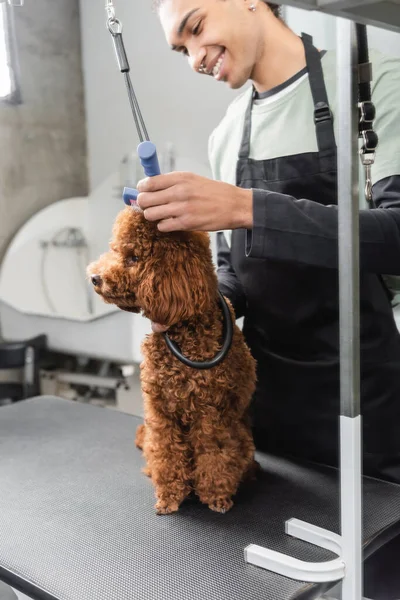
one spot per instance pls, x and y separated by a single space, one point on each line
303 4
379 13
342 4
349 301
351 507
348 205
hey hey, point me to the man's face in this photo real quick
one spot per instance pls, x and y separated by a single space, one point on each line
221 35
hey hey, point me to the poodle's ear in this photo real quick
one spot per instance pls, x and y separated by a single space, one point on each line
179 284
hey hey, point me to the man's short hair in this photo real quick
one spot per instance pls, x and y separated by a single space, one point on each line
276 9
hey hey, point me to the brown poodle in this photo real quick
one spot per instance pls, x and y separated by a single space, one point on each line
196 436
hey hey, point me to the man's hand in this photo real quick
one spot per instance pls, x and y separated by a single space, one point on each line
187 202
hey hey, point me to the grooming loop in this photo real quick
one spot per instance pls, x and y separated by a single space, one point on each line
114 26
219 357
346 566
147 153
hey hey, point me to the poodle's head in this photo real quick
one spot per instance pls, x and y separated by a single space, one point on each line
168 277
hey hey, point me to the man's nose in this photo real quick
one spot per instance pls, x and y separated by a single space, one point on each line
198 61
96 280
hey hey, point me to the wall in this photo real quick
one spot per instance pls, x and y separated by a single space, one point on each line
317 24
43 140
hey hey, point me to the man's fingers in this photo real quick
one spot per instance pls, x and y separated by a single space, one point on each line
159 213
161 182
149 199
169 225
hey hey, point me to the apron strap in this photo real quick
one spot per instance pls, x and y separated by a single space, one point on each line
323 117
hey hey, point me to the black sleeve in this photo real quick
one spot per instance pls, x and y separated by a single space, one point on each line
228 283
306 232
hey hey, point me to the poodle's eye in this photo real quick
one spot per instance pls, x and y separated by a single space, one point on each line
131 260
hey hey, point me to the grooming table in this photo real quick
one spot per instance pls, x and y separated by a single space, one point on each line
77 520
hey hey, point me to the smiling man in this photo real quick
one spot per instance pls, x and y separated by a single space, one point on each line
274 161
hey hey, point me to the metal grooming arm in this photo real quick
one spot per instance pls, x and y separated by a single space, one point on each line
348 566
380 13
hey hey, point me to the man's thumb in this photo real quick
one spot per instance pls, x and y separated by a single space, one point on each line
158 328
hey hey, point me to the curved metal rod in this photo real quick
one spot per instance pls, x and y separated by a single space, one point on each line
219 357
299 570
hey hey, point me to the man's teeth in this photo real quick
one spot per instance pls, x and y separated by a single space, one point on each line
217 67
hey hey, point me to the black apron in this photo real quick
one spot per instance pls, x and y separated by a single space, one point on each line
292 319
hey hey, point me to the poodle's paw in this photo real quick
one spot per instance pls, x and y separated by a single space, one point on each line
147 471
140 432
221 504
164 507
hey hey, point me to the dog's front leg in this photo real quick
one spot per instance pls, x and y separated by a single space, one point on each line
169 460
220 461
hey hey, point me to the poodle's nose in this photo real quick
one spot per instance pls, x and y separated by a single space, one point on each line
96 280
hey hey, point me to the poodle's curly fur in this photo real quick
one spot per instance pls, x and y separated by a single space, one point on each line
196 435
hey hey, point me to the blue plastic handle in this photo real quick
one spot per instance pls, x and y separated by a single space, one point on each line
147 153
130 196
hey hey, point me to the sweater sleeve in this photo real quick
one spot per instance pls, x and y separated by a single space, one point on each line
303 231
228 283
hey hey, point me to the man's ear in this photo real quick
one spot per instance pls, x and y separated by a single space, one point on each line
178 287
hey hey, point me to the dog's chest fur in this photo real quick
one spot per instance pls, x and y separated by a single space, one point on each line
188 394
183 391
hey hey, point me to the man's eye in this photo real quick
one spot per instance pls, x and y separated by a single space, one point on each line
196 29
181 50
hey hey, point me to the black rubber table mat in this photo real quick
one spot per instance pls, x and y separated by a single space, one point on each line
77 520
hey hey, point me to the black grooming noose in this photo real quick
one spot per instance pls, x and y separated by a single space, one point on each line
227 335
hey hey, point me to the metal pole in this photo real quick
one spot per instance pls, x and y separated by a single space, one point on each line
348 205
